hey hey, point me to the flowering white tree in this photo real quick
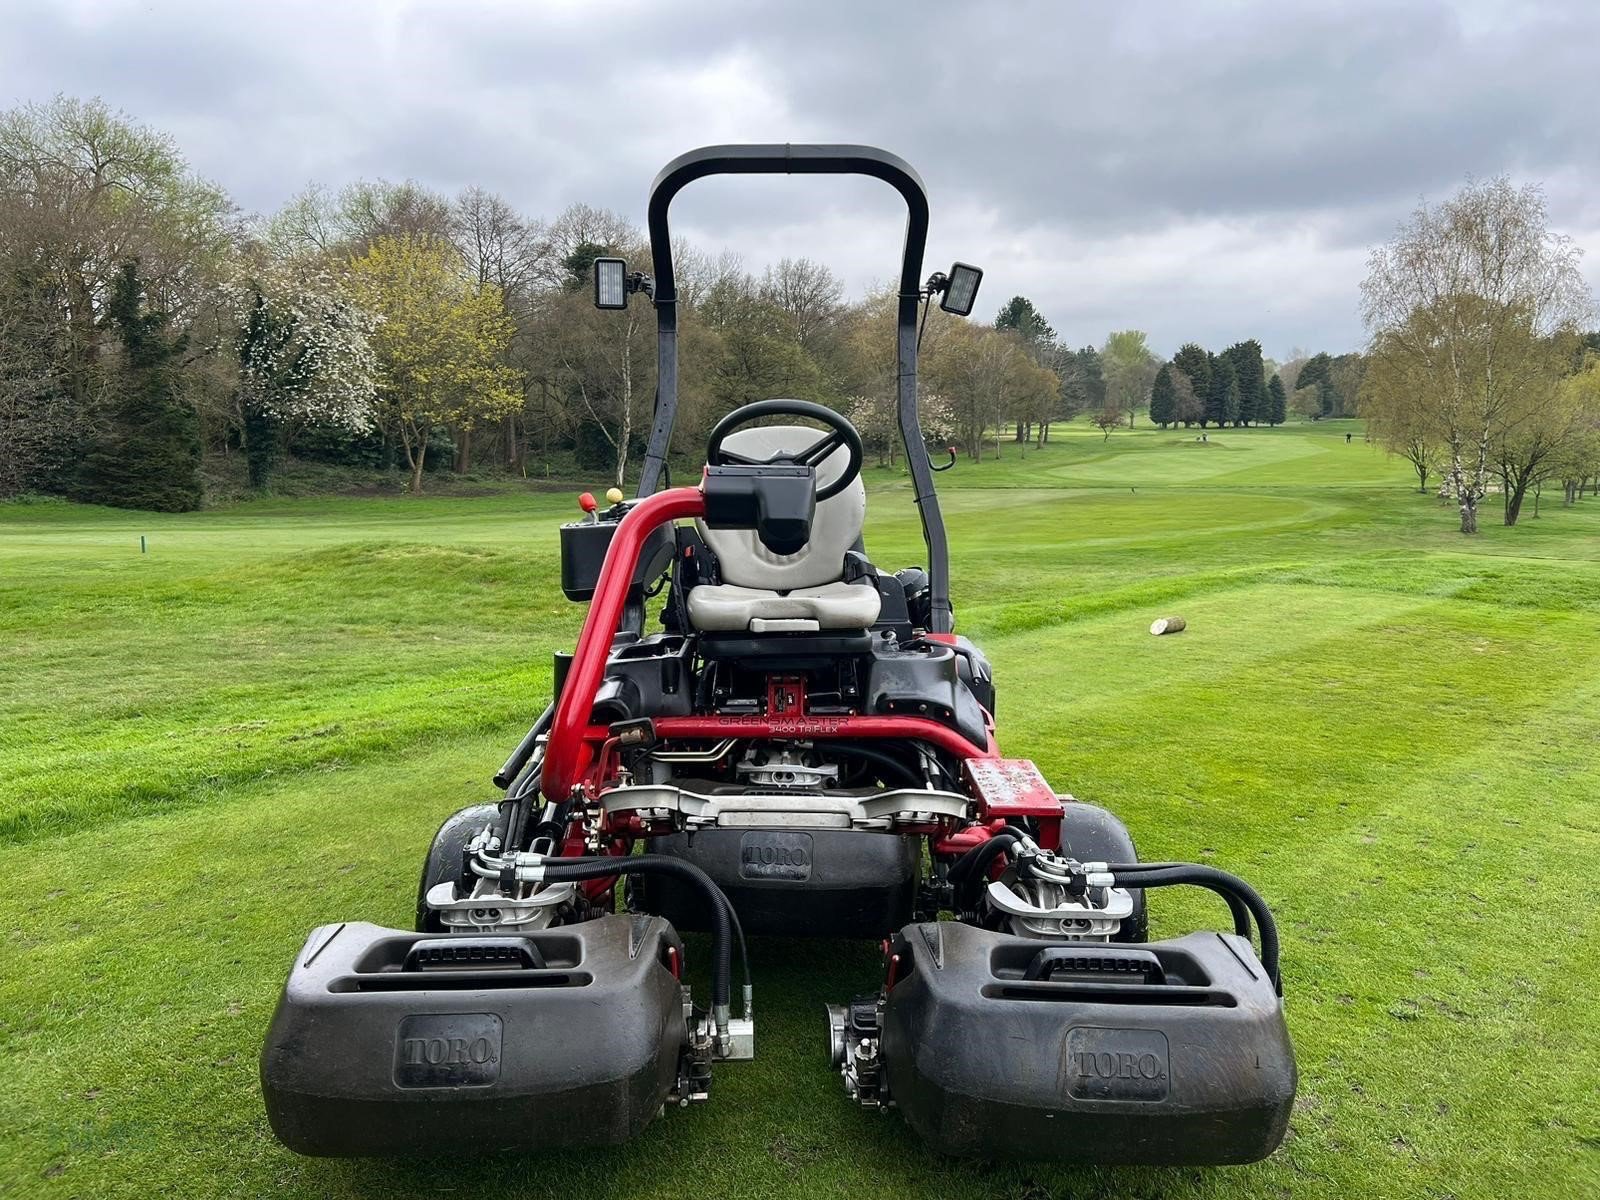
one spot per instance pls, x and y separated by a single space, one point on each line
305 354
876 418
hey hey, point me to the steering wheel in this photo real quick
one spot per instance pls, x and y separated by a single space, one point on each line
840 433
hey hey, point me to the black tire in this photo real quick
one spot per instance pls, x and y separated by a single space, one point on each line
444 856
1090 833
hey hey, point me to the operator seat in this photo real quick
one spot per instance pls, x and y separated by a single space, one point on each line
804 592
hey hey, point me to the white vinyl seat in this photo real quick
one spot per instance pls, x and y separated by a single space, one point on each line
763 592
725 606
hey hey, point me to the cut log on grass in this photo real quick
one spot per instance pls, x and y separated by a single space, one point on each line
1167 625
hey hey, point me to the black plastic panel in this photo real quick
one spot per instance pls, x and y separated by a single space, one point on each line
1091 1062
366 1057
793 883
583 553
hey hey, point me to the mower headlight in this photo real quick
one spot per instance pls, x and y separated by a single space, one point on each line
610 283
961 293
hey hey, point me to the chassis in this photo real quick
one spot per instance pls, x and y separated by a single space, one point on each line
748 770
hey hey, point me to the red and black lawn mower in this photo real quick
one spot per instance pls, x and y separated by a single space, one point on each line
805 748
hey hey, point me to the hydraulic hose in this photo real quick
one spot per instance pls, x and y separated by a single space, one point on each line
1236 891
725 924
902 773
974 864
525 748
1243 901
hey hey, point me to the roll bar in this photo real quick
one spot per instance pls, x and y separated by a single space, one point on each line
788 159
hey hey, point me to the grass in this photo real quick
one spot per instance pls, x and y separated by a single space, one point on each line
1393 731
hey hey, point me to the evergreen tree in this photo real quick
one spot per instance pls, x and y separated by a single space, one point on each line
1277 402
1163 398
1019 314
1246 359
149 453
1222 401
1083 382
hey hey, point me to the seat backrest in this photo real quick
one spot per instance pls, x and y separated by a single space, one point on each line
835 529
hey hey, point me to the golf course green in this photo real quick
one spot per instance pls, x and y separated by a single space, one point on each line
1391 730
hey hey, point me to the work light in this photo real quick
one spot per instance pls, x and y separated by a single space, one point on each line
962 291
610 283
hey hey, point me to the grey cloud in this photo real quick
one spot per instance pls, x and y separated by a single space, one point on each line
1191 138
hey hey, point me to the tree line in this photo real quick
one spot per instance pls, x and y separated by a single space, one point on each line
155 340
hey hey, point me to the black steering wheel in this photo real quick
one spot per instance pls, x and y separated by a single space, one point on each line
840 433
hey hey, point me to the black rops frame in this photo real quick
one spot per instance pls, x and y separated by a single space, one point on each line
786 159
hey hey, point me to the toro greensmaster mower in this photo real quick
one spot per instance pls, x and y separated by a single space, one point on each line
804 747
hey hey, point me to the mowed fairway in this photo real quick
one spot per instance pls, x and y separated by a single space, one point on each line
1393 731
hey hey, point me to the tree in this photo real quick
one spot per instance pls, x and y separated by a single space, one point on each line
1307 402
1277 401
1345 374
1020 316
808 293
1195 365
83 192
989 373
1083 385
304 355
440 344
40 426
1039 340
1164 398
1471 297
1291 368
1130 370
1222 402
1247 368
1527 450
1187 406
1398 417
1577 459
1316 373
148 456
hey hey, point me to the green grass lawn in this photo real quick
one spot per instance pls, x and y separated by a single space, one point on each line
1393 731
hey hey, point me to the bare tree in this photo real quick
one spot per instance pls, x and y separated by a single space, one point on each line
808 292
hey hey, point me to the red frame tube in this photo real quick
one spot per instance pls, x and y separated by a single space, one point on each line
907 728
567 753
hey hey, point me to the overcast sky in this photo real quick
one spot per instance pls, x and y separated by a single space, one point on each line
1201 171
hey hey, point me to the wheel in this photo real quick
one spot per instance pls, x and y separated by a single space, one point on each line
444 857
1090 833
840 433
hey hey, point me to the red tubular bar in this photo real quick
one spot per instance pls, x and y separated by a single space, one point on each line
567 754
905 728
570 751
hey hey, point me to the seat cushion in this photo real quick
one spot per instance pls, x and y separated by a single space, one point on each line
835 528
726 606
